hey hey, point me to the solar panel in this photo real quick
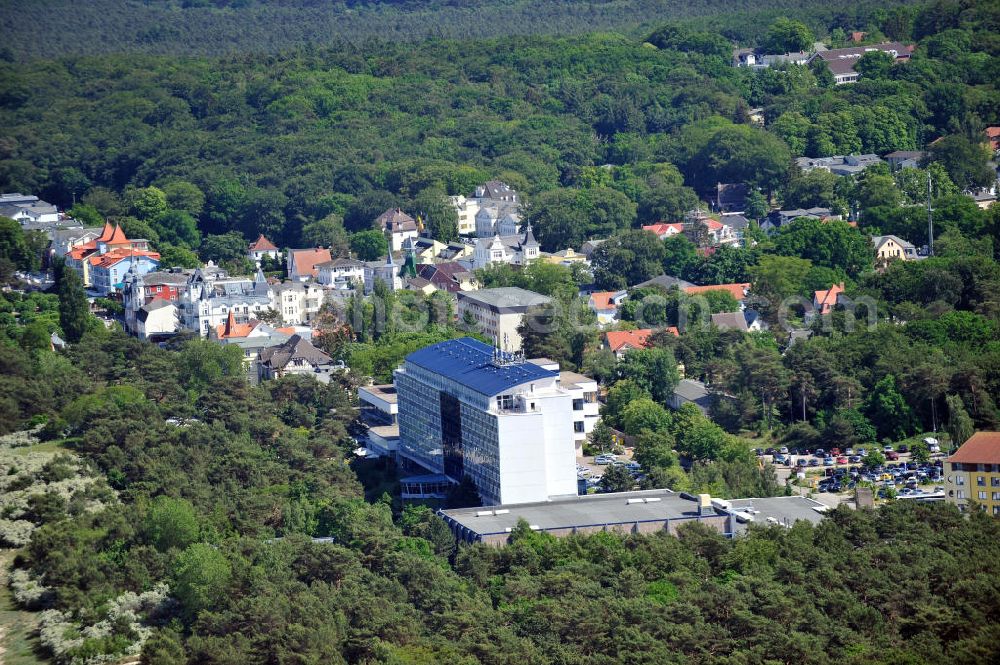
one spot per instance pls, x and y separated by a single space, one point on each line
470 362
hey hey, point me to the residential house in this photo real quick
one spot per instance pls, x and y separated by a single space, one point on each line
28 210
139 290
511 249
341 273
211 295
731 197
738 290
893 248
454 251
620 342
499 196
841 61
605 305
498 313
397 227
262 247
297 302
905 159
297 356
156 319
104 261
738 225
63 240
588 247
664 231
779 218
838 164
730 321
972 474
756 59
303 264
449 276
824 301
689 391
497 220
386 272
566 257
665 282
993 137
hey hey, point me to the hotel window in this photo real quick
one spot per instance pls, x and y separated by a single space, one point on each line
578 426
980 481
590 397
995 482
996 496
982 496
578 405
960 494
959 479
996 510
505 402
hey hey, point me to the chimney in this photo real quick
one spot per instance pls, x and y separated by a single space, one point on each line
705 507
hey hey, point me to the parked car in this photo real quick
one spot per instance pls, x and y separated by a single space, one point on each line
783 450
902 449
841 460
802 461
779 459
892 456
854 459
863 452
820 452
814 462
827 461
835 451
888 449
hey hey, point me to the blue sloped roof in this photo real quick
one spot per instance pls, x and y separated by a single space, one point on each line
470 363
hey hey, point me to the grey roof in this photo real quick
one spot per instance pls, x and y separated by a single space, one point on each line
666 281
17 197
878 240
577 511
271 340
783 510
296 348
341 263
506 298
738 222
385 392
164 277
567 379
691 390
730 321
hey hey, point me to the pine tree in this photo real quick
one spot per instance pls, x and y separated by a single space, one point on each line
74 311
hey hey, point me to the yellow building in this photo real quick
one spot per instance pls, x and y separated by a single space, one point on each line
973 473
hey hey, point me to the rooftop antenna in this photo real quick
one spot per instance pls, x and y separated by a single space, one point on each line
930 219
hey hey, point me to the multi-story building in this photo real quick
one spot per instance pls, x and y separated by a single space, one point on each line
262 247
498 199
513 249
341 273
303 264
138 291
466 409
297 302
397 227
211 295
583 391
104 261
972 474
499 312
379 411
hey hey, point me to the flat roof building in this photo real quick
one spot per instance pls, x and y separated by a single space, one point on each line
647 511
467 409
499 312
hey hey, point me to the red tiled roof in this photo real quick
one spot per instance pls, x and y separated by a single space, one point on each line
981 448
636 339
305 260
232 329
824 301
262 244
993 132
738 291
662 229
117 237
603 300
114 256
106 233
673 331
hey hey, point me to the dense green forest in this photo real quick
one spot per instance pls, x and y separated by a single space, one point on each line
213 27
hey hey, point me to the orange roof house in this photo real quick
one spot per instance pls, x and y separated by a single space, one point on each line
738 291
302 262
664 230
262 244
231 329
825 301
993 136
620 341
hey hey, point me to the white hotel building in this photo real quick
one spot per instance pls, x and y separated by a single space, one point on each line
466 409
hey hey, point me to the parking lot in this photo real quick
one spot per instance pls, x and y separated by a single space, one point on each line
831 476
592 468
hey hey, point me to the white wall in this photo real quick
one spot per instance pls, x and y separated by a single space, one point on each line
523 477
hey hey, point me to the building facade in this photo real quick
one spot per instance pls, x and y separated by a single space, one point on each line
972 474
498 313
466 409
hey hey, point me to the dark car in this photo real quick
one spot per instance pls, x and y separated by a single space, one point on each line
820 452
902 449
814 462
892 456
